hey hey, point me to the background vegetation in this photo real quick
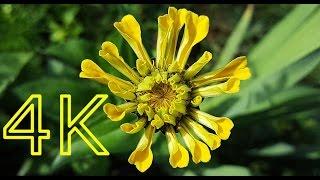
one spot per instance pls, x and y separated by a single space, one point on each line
276 115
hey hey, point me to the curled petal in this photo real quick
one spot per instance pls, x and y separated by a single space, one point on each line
146 84
221 125
92 71
157 122
237 69
132 128
110 52
120 91
169 119
199 151
179 19
196 101
212 140
230 86
174 79
179 156
142 67
196 29
129 28
116 113
198 65
144 98
142 156
164 28
174 67
144 108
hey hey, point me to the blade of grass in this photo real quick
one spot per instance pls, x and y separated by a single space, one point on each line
236 37
282 31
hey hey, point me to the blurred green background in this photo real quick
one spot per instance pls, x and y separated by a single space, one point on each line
276 113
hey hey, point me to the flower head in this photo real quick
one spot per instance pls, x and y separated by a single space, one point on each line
165 93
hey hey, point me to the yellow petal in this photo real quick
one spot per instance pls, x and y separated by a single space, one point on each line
174 79
121 91
177 107
110 52
196 101
146 84
141 159
199 151
92 71
142 67
142 156
237 68
174 67
169 119
116 113
179 19
164 28
196 29
221 125
144 98
144 108
141 108
157 122
179 156
212 140
132 128
197 66
150 113
231 86
129 28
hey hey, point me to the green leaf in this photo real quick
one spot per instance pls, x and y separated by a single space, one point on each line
278 149
259 102
72 51
50 88
297 71
25 168
282 31
236 37
227 170
189 173
92 166
303 41
281 67
11 65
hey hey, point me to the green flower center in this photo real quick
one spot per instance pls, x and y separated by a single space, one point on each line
163 97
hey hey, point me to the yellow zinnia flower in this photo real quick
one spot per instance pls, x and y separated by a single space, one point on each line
164 93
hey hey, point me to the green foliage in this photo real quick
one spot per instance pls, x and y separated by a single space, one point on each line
276 113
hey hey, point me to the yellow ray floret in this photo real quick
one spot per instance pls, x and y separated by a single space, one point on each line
132 128
117 113
237 69
221 125
142 156
199 151
129 28
110 52
179 156
212 140
196 29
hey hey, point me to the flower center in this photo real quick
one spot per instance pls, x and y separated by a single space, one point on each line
162 97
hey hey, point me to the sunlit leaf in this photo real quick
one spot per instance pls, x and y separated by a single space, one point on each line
11 65
236 38
227 170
